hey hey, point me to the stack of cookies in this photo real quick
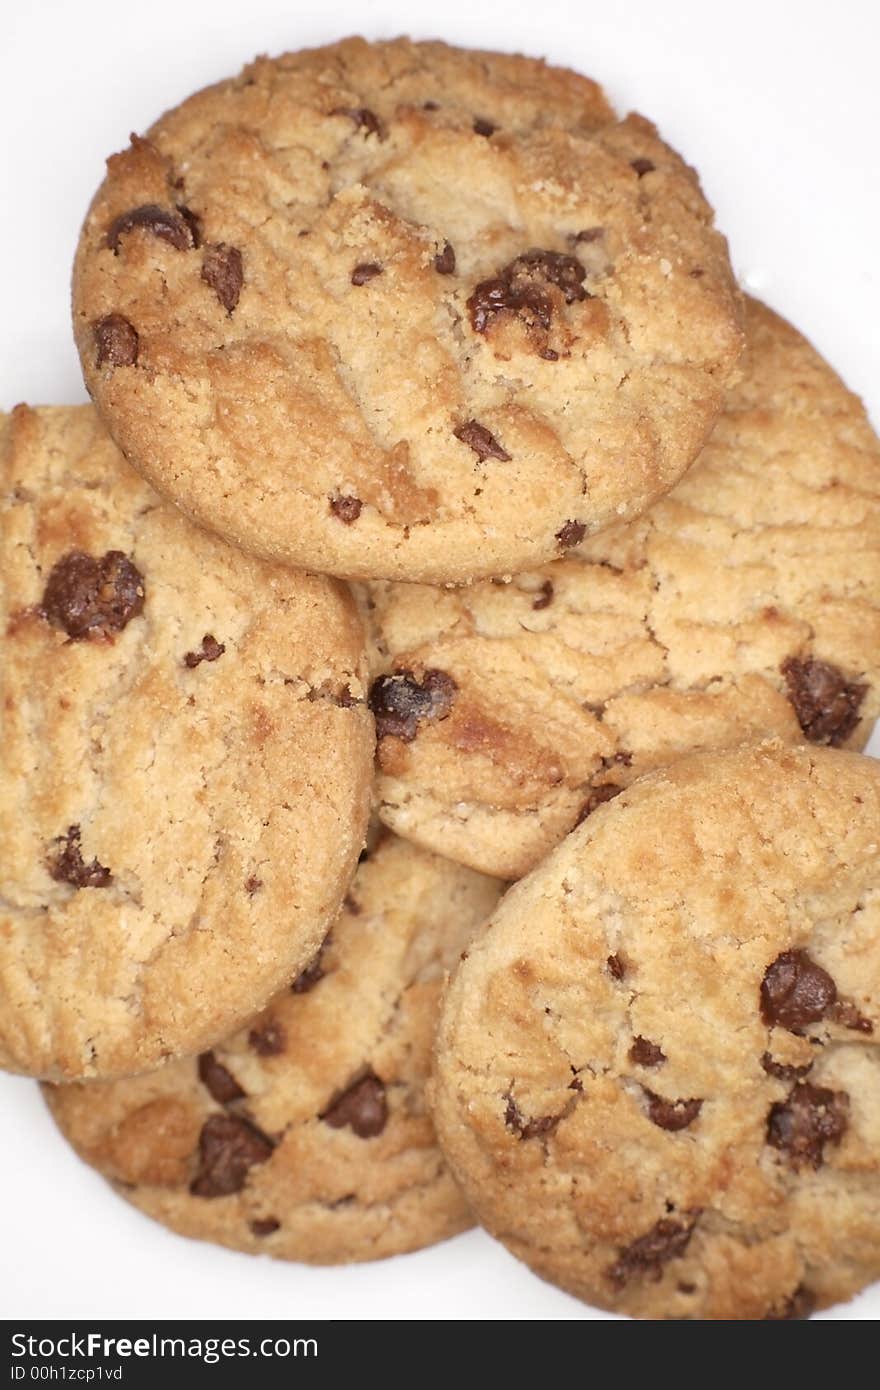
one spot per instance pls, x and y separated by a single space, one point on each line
445 518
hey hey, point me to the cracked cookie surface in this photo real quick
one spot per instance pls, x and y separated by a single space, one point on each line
186 763
405 311
657 1074
306 1135
745 603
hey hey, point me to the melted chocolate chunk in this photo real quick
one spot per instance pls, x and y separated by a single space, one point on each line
646 1053
642 166
93 598
362 1107
218 1080
796 991
671 1114
210 650
616 967
228 1148
544 596
666 1240
265 1226
444 261
530 1129
827 705
781 1071
401 702
484 127
846 1013
366 271
177 228
571 534
606 791
268 1039
223 271
346 508
252 885
810 1118
520 288
365 119
483 443
66 864
313 972
116 341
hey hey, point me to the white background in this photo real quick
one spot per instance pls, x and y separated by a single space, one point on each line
777 105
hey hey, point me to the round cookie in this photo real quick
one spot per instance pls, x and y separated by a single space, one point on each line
743 604
306 1136
186 763
657 1073
405 311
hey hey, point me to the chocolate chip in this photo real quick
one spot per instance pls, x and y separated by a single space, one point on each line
518 289
366 271
347 508
796 991
66 864
364 119
616 967
848 1015
671 1114
430 106
216 1079
400 702
210 650
529 1129
116 341
588 235
229 1147
93 598
571 534
483 443
826 704
193 222
810 1118
797 1307
444 261
268 1039
642 166
252 885
174 227
362 1107
666 1240
223 270
781 1071
545 595
565 272
265 1226
313 972
351 905
484 127
646 1053
606 791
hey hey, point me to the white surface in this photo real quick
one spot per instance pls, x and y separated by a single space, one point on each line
775 103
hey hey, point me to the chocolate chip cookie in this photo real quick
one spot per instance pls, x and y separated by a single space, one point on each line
657 1072
306 1136
405 311
744 603
186 762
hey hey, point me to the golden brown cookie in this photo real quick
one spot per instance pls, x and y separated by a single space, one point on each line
657 1073
306 1136
745 603
407 311
186 763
